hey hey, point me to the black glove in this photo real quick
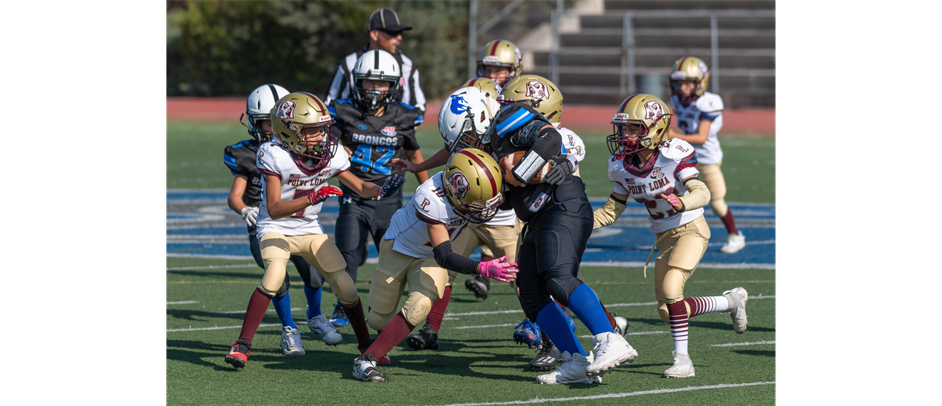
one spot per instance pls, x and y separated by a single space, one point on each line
559 172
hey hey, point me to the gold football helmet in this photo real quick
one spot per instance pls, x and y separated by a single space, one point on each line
501 52
690 68
298 117
473 183
647 112
538 91
486 85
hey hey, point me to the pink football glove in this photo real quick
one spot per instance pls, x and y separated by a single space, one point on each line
495 269
324 193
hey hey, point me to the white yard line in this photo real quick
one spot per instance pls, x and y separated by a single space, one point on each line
739 344
218 328
617 395
183 302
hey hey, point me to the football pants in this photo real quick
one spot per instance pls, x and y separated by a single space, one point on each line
317 249
713 177
679 251
426 281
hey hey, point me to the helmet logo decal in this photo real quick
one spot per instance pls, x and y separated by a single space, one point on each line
458 104
459 184
703 69
537 90
653 110
490 59
286 110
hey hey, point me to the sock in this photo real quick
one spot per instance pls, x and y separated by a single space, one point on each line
313 300
585 304
611 318
354 312
254 313
678 317
729 223
706 304
437 313
393 333
553 323
283 308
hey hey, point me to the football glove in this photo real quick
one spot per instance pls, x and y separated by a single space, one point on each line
495 269
249 214
558 172
391 185
324 193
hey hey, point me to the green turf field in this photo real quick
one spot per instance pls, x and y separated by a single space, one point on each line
477 361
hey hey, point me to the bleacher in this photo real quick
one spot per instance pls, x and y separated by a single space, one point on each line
591 56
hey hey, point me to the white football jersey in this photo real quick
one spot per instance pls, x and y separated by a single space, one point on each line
687 119
297 181
575 148
410 233
665 171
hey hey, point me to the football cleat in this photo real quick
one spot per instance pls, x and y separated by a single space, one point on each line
384 360
364 369
682 368
339 318
611 350
479 285
291 341
319 325
238 355
734 244
548 357
621 325
737 298
427 339
573 370
528 332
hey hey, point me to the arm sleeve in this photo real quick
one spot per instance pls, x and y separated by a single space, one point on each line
698 197
607 215
446 258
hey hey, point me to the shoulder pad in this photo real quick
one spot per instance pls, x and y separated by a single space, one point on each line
406 115
676 149
408 106
709 102
513 117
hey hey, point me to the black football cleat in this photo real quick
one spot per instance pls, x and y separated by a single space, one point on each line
479 285
426 339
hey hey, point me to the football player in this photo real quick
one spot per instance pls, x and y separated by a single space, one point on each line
699 118
373 128
462 121
385 33
417 251
558 220
543 95
661 174
295 170
500 61
244 197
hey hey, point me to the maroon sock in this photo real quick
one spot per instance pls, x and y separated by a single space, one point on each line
729 223
437 313
485 258
700 305
354 313
395 331
258 305
611 319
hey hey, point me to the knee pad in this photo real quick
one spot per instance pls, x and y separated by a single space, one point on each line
284 287
561 287
416 308
662 311
274 277
342 286
377 321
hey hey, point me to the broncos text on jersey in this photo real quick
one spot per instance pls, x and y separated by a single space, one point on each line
374 141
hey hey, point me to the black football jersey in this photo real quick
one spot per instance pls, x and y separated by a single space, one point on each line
240 158
374 141
526 201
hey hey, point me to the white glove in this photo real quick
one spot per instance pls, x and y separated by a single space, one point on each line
249 214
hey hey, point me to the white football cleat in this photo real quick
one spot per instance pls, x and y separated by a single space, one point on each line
734 244
682 368
737 298
319 325
611 350
571 371
291 341
364 369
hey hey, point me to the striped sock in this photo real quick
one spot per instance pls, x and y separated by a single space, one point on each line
706 304
678 317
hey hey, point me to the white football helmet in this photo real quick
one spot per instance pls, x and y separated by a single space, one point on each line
258 107
376 64
465 117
